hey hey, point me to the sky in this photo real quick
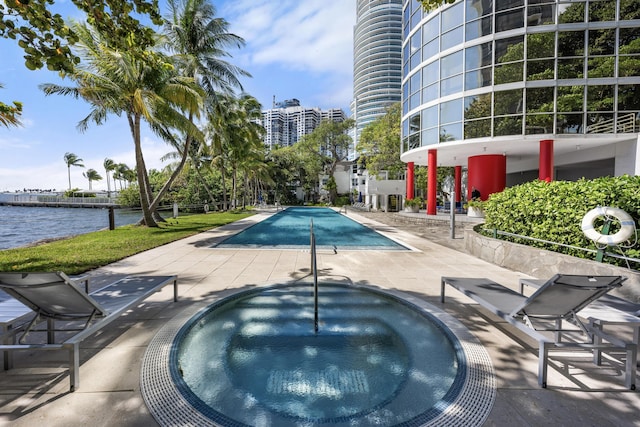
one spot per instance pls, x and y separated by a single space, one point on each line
294 49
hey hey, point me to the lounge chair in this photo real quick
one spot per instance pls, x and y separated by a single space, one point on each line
55 297
560 298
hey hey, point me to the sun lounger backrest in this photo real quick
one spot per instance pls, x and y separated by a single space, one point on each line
563 294
52 295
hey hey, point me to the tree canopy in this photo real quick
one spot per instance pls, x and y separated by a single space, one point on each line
45 38
379 143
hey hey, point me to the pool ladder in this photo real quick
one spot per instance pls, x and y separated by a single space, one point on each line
314 271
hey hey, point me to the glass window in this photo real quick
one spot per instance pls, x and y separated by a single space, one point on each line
405 106
541 45
451 132
476 9
430 136
628 97
451 85
430 116
414 124
507 102
509 125
601 66
416 59
538 123
541 14
416 41
477 78
431 30
629 10
414 101
477 128
542 69
414 83
602 42
571 43
628 66
414 141
430 49
431 73
571 12
479 28
600 98
570 99
508 4
405 128
478 56
570 68
510 20
451 38
452 17
511 49
430 93
604 10
477 106
405 91
416 17
540 100
628 39
508 73
451 111
451 64
600 123
570 123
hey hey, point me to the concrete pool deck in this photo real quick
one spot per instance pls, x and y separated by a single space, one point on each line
36 392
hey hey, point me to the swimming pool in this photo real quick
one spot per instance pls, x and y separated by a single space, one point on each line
290 229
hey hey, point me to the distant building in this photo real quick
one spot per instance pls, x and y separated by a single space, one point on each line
377 60
287 122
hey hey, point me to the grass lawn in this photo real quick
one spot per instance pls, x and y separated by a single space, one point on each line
85 252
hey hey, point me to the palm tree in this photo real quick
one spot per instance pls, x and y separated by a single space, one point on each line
10 115
91 175
197 40
109 166
72 160
142 87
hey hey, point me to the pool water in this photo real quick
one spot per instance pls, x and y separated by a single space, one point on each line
254 359
290 229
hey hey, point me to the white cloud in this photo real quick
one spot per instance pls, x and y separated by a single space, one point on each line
314 36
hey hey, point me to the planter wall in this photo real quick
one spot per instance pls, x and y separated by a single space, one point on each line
543 264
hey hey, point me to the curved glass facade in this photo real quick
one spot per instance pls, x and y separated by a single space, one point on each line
377 63
508 68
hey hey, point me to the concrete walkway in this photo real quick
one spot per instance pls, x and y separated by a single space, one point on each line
36 391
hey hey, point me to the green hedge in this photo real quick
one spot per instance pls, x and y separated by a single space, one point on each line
553 211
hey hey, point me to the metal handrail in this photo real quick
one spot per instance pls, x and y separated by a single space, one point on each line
314 270
496 233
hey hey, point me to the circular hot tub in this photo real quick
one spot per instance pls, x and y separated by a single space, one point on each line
377 359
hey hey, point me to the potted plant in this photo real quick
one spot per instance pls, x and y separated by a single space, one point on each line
413 205
475 208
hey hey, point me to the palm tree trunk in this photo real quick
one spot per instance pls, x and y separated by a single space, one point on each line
206 187
224 188
147 217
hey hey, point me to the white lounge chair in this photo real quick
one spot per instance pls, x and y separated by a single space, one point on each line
560 298
54 297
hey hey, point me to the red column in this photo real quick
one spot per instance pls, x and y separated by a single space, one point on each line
487 173
457 179
546 160
410 179
432 181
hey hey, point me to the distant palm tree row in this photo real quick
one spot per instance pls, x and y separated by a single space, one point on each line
183 89
120 172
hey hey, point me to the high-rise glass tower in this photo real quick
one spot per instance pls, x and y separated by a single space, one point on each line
377 60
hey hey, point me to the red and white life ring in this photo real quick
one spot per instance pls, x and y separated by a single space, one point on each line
627 226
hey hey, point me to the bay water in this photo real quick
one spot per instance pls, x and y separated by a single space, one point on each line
22 225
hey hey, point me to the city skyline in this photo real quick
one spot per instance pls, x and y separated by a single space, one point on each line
315 67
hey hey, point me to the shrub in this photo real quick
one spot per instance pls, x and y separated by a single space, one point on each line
553 211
